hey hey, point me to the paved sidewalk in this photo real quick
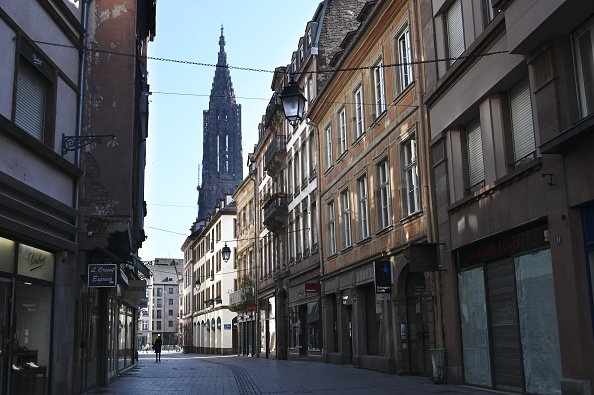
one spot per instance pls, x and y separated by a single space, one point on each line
201 374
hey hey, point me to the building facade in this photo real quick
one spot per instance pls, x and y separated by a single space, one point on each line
378 308
207 320
508 88
38 211
222 158
111 190
163 303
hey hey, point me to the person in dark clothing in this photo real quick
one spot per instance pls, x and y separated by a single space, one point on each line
157 347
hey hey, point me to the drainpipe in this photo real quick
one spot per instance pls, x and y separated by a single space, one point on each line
429 208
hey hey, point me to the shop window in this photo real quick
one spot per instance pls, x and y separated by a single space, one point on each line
294 327
475 334
454 31
584 53
374 316
7 255
314 326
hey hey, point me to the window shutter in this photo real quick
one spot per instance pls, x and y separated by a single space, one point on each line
455 31
521 118
30 101
476 167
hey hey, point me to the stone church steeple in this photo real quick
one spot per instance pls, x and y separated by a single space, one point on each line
222 157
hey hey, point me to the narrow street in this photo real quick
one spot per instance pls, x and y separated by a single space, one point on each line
197 374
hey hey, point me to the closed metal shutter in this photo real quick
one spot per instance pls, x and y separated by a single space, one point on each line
505 332
476 167
521 117
455 31
30 100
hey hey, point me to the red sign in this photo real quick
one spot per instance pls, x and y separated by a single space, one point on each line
252 306
311 287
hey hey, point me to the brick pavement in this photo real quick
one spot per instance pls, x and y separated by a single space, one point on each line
179 373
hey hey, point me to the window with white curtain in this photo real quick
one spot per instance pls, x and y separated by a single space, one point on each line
454 31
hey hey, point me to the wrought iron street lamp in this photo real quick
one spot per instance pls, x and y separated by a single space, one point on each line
226 252
293 102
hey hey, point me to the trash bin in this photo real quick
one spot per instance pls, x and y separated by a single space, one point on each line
439 361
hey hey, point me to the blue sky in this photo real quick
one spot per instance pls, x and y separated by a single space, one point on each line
260 35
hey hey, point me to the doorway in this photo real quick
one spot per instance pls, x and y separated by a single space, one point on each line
416 312
5 297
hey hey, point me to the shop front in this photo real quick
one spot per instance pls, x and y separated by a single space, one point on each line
305 322
268 335
507 308
26 297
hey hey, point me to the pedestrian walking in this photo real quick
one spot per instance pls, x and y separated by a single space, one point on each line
157 347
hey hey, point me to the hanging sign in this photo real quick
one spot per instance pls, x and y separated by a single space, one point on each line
103 275
383 277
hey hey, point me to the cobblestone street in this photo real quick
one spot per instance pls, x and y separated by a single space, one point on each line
198 374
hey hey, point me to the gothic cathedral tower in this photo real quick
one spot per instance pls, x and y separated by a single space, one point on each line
222 157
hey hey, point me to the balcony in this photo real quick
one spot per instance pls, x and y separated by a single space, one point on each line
276 212
240 301
274 157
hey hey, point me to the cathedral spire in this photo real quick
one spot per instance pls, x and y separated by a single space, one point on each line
222 88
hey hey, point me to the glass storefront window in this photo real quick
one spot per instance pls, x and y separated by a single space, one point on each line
7 255
538 323
294 327
314 326
475 333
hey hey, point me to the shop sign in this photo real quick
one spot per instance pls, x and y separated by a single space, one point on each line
136 289
311 287
104 275
502 246
423 257
36 263
383 277
227 327
252 306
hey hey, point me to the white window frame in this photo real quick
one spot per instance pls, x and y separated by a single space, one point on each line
405 71
385 205
342 128
331 228
329 157
583 40
347 239
411 171
379 84
359 111
363 208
